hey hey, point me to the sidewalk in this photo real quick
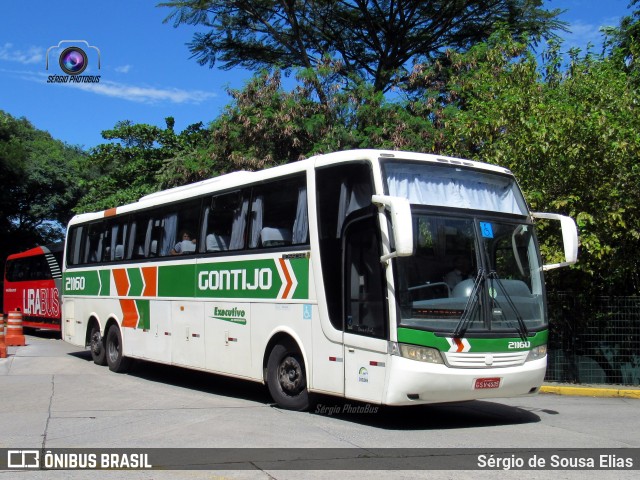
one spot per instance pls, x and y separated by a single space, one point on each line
591 390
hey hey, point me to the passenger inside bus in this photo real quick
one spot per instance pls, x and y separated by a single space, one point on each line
461 271
186 245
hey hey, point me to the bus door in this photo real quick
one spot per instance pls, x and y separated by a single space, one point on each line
365 313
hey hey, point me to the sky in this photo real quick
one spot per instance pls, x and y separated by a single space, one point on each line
146 73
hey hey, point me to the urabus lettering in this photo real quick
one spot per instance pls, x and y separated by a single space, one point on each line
239 279
41 301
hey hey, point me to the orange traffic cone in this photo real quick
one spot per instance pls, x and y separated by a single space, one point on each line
3 345
14 337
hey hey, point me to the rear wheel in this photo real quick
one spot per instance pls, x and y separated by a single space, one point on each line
115 359
96 343
287 377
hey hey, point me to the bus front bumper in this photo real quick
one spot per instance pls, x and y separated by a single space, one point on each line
412 382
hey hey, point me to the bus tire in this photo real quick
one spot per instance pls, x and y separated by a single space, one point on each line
115 359
287 377
98 348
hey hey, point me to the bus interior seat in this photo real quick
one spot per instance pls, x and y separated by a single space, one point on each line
274 237
217 243
119 253
515 288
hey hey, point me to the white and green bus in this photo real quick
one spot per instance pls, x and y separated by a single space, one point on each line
387 277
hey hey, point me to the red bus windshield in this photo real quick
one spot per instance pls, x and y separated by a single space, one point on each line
32 282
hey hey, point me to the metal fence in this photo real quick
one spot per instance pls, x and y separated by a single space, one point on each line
594 341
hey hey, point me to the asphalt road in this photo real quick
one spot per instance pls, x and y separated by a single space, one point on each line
52 396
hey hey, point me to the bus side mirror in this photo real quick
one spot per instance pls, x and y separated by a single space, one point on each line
401 224
569 238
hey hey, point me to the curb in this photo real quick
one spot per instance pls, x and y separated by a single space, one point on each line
580 391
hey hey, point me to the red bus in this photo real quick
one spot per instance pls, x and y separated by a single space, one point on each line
32 284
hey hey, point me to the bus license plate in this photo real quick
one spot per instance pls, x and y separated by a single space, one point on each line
487 383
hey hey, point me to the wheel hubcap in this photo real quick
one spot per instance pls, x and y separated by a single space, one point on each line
290 374
113 351
96 344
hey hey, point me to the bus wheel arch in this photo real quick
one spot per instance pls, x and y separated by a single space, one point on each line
96 342
286 373
116 359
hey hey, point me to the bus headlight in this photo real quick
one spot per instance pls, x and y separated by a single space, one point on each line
537 353
415 352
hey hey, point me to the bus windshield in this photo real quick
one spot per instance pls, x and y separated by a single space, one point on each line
471 275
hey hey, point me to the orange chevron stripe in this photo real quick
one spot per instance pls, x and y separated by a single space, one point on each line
460 345
150 275
283 264
130 314
122 281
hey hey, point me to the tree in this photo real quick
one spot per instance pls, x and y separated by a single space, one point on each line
377 40
265 125
624 42
569 131
40 185
134 165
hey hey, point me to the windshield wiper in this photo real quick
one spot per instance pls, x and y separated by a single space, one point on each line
522 327
471 306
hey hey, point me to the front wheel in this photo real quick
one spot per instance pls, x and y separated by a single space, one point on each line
287 378
96 343
115 358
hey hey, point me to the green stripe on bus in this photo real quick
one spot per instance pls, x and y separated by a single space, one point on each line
267 278
135 282
478 345
144 311
301 269
105 283
176 280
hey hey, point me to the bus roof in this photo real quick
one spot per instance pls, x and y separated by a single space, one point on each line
40 250
242 178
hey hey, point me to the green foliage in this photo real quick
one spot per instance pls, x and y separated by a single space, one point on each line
39 178
570 133
140 161
623 43
266 125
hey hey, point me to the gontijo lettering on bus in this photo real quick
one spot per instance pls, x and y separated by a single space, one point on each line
270 278
278 278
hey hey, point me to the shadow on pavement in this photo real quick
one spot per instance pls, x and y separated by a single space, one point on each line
471 414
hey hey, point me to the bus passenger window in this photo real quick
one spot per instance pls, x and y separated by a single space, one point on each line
137 234
223 220
94 243
279 218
